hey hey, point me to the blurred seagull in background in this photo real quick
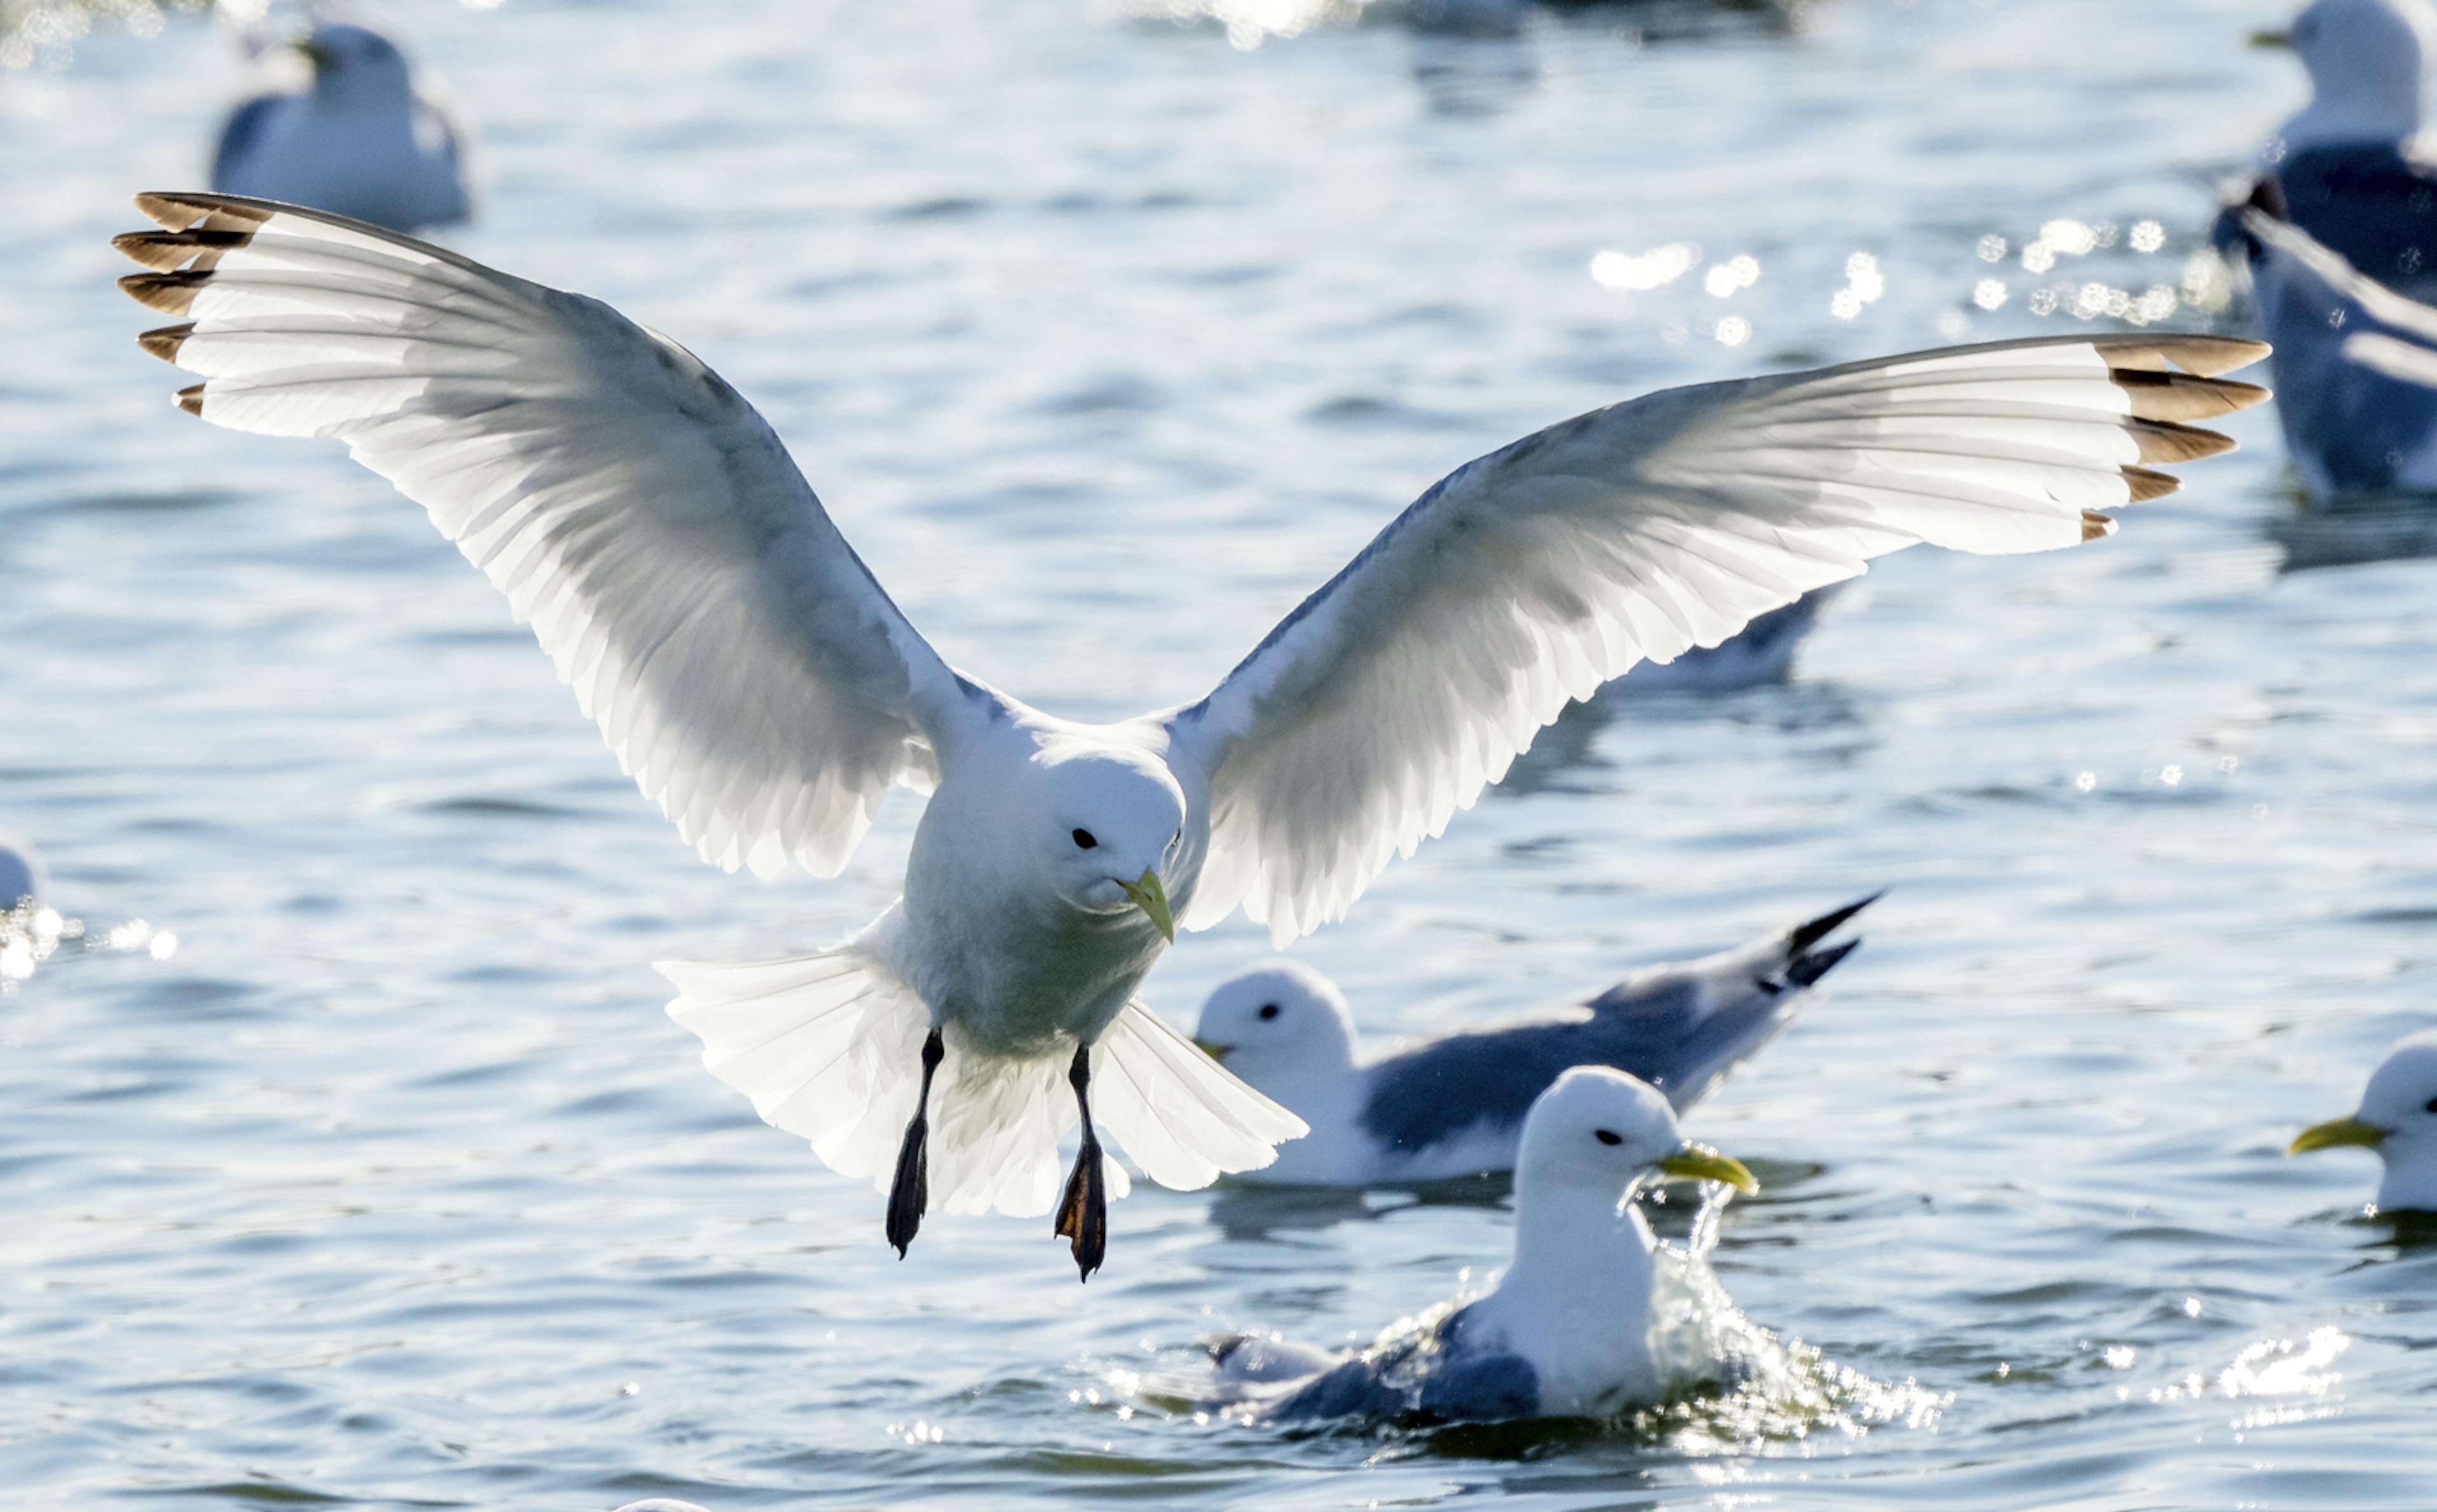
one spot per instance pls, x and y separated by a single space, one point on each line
21 872
1761 652
2349 179
762 688
2397 1118
1455 1106
1568 1329
361 140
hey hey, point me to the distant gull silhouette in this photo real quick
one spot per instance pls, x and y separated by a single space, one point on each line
1569 1329
1455 1106
762 688
2397 1118
360 141
21 872
2350 177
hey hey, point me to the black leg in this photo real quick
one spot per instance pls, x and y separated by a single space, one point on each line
1083 1216
910 1193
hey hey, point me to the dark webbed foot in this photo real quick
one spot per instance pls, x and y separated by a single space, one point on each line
909 1193
1083 1213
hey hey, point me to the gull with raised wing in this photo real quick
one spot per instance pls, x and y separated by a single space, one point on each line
1454 1106
762 690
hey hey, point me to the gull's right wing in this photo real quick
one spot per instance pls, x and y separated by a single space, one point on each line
741 662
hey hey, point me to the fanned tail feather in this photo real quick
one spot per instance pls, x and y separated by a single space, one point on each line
828 1046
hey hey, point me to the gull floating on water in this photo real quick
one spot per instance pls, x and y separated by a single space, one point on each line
759 686
2355 193
1570 1328
1455 1106
361 140
2398 1119
21 872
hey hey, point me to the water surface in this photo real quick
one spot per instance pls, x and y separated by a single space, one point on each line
1104 340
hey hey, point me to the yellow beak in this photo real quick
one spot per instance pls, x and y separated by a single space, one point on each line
1217 1052
2335 1132
1699 1162
2270 39
1152 899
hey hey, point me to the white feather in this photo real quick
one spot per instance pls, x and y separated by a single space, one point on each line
1395 693
640 516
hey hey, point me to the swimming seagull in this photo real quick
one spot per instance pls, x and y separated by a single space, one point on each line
1570 1329
1455 1106
21 872
2397 1118
759 686
2351 175
361 141
2356 364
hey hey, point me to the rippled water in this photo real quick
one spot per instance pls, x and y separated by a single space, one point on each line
390 1184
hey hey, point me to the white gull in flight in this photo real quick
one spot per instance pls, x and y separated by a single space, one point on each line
762 690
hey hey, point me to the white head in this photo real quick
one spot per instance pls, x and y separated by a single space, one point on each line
1597 1128
2367 61
2398 1120
356 64
1109 829
1278 1025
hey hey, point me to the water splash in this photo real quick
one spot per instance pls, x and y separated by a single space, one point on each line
31 934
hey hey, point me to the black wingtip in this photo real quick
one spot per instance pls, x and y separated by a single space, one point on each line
1803 970
1800 939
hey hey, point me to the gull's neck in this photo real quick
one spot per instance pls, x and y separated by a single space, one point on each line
2411 1179
1576 1301
2349 120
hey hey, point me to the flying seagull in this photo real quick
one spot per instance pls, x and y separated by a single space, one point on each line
1455 1105
753 677
361 141
1573 1328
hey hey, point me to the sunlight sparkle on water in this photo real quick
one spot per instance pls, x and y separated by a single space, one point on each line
1654 269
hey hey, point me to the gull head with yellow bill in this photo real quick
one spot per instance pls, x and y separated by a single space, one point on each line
2397 1118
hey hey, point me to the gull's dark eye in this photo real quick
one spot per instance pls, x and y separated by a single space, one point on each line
1083 840
2432 1105
1607 1137
1269 1009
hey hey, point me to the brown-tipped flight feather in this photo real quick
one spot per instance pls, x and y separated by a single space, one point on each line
169 293
200 212
2147 485
2095 525
2182 396
166 250
2162 440
164 342
191 400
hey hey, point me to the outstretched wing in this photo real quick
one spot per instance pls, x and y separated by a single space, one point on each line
1389 698
748 671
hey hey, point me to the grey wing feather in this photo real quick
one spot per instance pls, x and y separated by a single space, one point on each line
1681 1028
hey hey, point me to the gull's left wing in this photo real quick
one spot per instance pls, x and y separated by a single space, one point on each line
1390 698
